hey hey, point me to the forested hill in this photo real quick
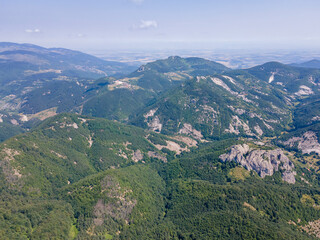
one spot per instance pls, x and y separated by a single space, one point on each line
78 177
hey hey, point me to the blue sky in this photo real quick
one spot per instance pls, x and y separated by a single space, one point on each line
156 24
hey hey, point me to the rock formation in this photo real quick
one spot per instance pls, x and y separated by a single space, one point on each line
264 162
307 143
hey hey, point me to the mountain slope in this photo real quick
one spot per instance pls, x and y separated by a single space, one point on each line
34 79
58 59
117 104
41 81
162 74
68 147
125 203
298 82
135 202
219 106
65 149
27 69
307 112
77 177
310 64
120 98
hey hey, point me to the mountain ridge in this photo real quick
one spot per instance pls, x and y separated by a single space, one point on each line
239 158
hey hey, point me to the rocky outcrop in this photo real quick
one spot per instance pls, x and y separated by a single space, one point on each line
312 228
118 205
155 124
315 119
150 114
152 121
236 124
137 156
307 143
189 130
157 155
207 115
173 146
304 90
11 174
258 130
264 162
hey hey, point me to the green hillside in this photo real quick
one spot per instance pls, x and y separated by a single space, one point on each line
295 80
76 177
63 150
123 97
162 74
314 63
307 112
118 104
34 79
218 106
66 148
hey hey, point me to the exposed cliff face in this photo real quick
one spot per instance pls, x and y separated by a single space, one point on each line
155 124
307 143
188 130
264 162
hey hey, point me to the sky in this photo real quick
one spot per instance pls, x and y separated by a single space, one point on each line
162 24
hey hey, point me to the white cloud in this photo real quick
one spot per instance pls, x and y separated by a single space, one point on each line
146 24
36 30
137 1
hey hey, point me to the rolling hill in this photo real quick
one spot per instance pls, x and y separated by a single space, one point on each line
78 177
26 70
219 106
310 64
122 97
296 81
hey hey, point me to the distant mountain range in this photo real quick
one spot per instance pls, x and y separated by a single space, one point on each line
58 60
35 79
190 95
310 64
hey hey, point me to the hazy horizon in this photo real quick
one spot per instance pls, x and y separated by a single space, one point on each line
156 25
232 58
